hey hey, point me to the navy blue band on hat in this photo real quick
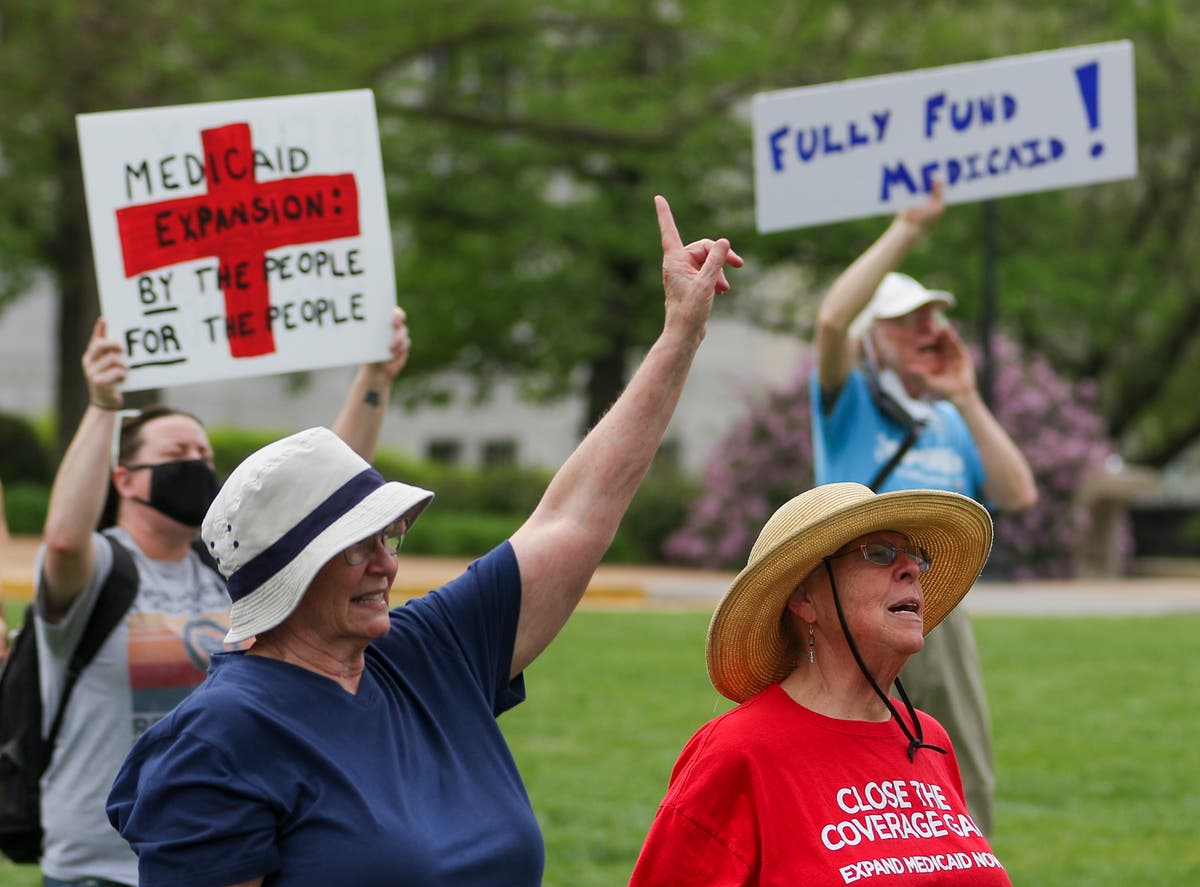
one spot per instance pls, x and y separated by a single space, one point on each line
284 550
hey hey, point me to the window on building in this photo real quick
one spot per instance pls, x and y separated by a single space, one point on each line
499 451
446 450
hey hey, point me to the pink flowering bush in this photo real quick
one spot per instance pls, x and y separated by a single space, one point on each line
1056 425
766 458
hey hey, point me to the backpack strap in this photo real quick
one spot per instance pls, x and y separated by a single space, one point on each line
894 410
889 466
115 597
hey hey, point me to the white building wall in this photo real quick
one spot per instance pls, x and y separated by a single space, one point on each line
27 345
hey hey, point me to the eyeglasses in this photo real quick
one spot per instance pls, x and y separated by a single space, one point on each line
883 554
391 538
926 315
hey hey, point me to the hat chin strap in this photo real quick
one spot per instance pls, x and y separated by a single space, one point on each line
915 741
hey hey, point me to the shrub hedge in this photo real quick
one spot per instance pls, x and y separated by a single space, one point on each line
474 508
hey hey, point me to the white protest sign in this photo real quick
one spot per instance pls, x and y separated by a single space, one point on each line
986 129
240 238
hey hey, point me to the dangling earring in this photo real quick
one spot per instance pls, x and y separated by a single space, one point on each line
811 642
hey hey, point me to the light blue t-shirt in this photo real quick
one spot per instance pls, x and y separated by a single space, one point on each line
854 439
271 769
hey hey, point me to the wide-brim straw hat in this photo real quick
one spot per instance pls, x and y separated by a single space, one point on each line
748 648
285 512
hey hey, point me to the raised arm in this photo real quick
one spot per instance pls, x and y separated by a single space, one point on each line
1010 484
853 289
81 482
361 417
560 545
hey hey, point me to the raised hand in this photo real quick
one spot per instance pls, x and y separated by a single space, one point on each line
399 346
104 369
692 274
927 214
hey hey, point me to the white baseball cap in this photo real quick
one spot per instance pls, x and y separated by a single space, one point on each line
897 295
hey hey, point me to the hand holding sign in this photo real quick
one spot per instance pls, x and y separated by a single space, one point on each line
398 347
104 369
927 214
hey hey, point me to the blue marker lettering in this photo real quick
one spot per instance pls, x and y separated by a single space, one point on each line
831 147
856 137
881 121
828 138
777 152
928 173
806 154
987 109
963 114
897 176
932 105
960 119
1036 156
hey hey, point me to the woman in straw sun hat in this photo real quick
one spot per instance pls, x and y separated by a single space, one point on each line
817 776
353 745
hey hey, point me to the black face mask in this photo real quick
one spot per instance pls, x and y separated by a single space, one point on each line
182 490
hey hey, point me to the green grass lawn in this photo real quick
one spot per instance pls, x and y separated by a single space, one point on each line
1095 724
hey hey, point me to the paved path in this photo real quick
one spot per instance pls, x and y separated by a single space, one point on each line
675 588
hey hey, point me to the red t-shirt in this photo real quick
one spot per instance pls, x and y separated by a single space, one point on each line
773 793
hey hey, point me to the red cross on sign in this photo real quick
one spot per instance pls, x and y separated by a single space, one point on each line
237 221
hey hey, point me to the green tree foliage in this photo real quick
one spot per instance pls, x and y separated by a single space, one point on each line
523 142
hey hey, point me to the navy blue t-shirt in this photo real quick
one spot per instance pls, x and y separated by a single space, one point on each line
270 769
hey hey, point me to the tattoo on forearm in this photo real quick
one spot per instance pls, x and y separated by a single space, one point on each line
372 398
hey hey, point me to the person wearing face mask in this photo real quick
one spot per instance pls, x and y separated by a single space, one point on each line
895 406
146 481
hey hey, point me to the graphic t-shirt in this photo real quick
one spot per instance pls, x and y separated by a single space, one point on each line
854 439
772 793
156 655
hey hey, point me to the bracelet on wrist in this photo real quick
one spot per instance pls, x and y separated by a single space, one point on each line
107 409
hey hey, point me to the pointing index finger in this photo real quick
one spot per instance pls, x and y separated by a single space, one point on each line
666 225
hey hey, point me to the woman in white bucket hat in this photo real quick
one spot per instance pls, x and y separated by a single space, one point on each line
353 745
817 775
134 485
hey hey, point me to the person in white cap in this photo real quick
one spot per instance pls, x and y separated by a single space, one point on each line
145 481
356 745
818 776
895 406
